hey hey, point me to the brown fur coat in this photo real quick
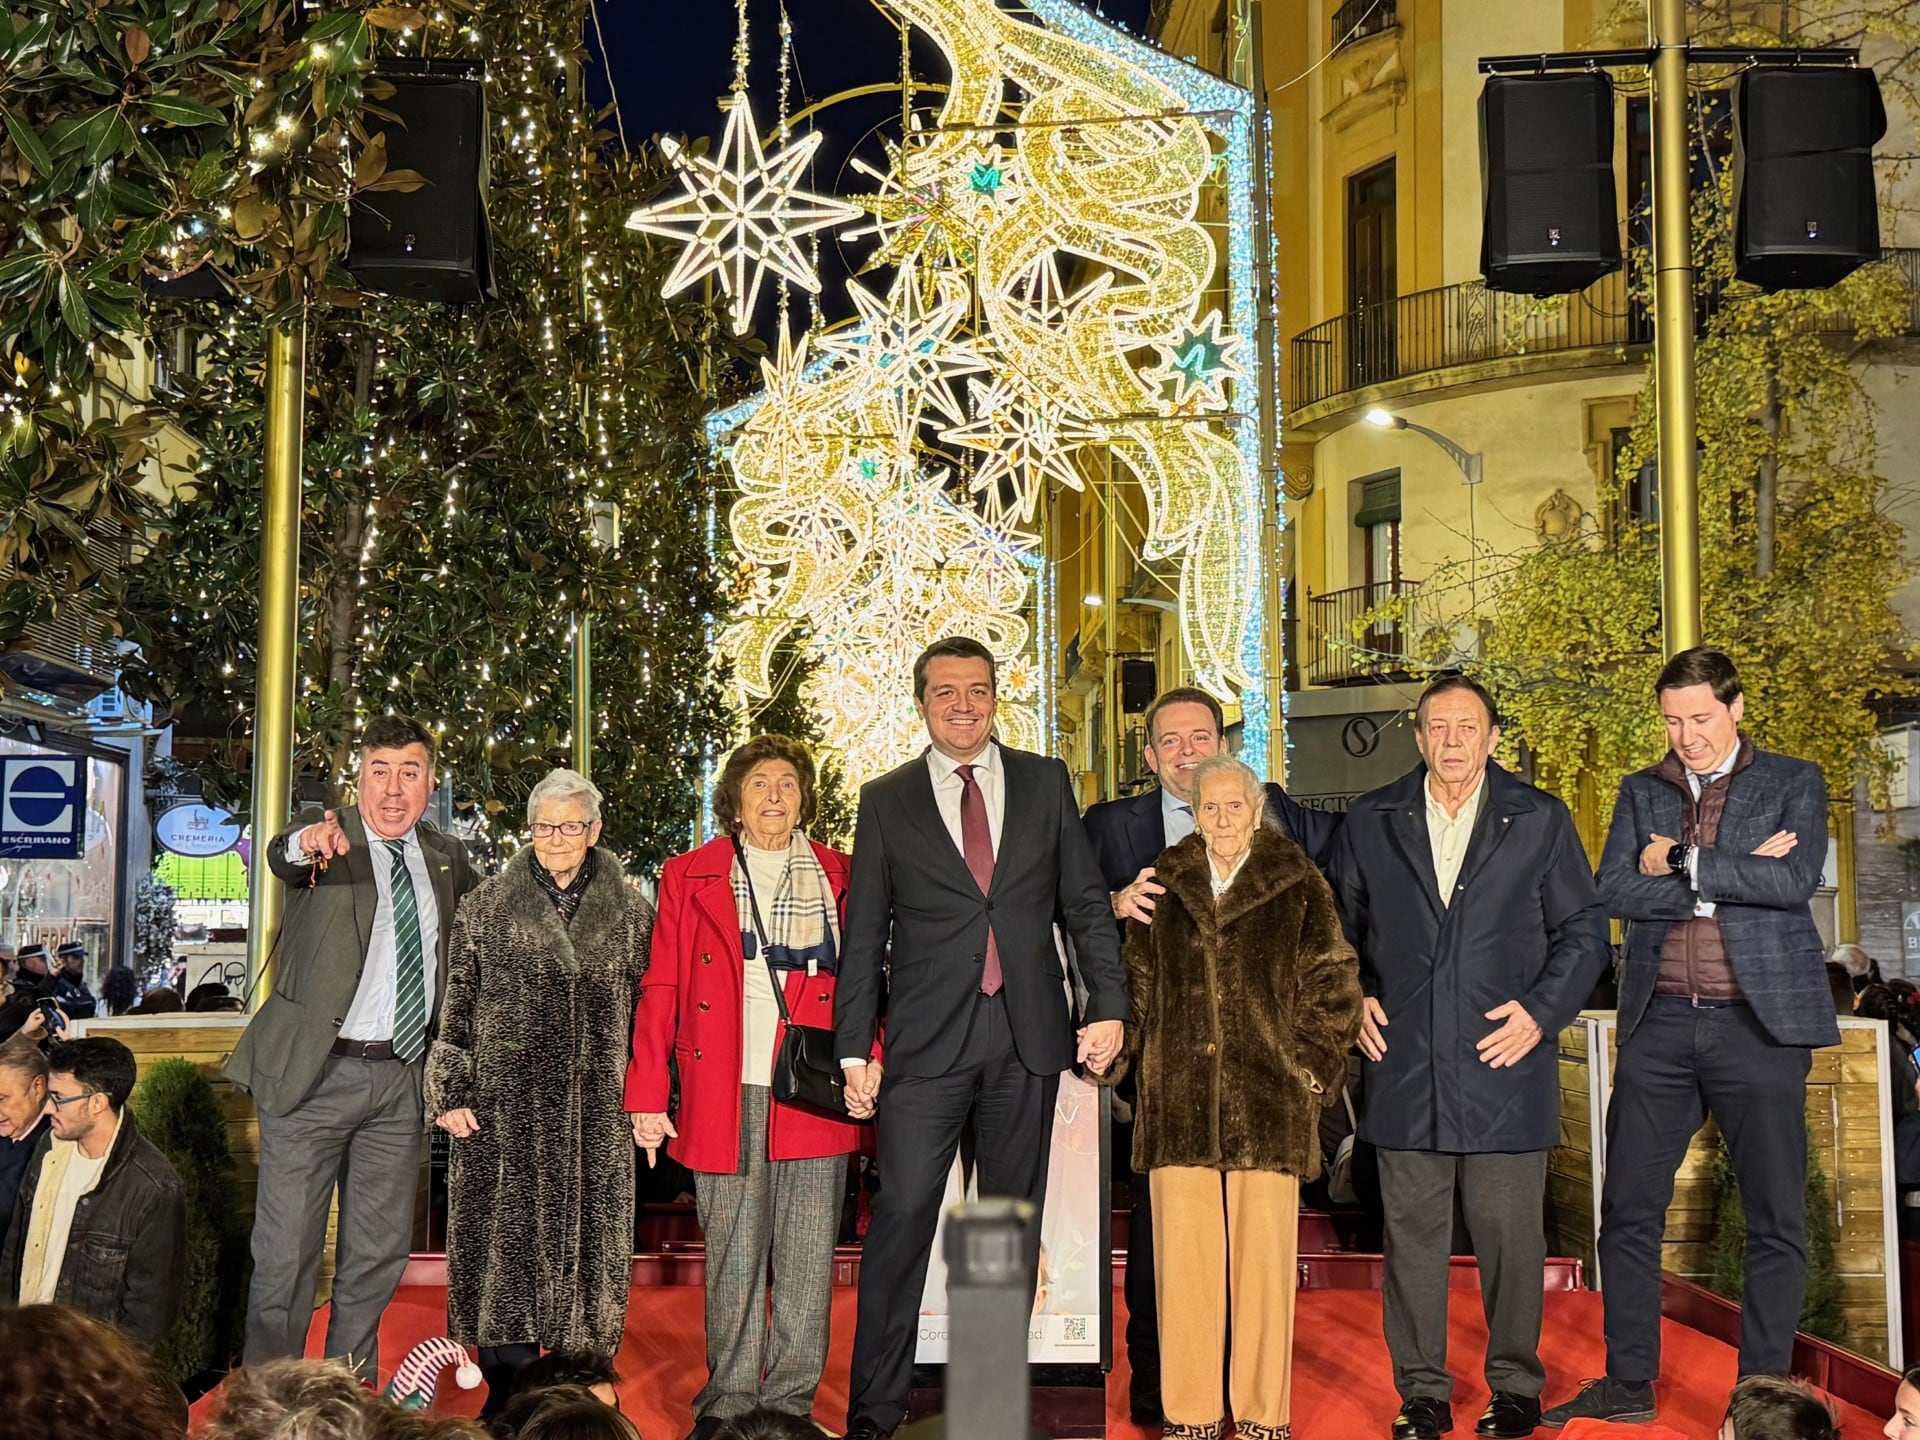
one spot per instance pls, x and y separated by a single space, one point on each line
534 1040
1243 1013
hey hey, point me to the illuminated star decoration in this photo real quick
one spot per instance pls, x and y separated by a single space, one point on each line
910 346
1027 441
1198 362
742 214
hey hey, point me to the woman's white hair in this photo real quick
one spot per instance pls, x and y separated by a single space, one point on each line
564 784
1256 790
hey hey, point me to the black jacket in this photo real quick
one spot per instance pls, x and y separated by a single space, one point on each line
15 1156
911 890
1525 924
1128 835
71 994
127 1250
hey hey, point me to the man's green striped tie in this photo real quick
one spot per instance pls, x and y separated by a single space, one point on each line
410 975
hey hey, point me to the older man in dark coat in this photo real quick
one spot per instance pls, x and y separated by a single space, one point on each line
1480 932
1713 857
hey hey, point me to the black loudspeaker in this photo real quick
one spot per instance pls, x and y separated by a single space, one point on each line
1138 684
432 243
1550 218
1805 212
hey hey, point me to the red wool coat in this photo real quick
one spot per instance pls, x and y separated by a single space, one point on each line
690 1007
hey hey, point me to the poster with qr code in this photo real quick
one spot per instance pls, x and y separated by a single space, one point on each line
1067 1326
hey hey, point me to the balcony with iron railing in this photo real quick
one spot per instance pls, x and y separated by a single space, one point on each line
1357 19
1468 324
1337 655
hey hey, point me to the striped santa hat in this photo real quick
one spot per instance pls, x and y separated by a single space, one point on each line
414 1382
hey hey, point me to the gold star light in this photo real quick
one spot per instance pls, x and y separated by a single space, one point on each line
742 214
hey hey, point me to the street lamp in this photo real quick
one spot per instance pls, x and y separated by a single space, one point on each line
1469 461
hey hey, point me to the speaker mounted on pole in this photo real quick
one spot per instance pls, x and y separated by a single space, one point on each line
1550 214
1806 215
434 243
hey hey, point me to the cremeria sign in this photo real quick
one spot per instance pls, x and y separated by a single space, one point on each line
197 831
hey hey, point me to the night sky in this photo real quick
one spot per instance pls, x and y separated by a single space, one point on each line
670 61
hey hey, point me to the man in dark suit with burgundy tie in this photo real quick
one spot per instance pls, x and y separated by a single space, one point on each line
964 857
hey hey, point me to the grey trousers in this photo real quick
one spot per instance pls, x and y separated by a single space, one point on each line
360 1129
786 1212
1503 1200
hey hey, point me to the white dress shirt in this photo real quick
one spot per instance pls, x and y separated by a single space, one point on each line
1176 817
947 787
1703 909
1450 836
370 1017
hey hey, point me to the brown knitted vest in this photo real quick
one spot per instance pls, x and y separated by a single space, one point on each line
1693 957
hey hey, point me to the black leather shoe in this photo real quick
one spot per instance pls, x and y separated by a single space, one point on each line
865 1429
1422 1418
1509 1416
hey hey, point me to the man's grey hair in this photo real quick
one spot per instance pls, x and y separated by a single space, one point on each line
1249 778
564 784
24 1057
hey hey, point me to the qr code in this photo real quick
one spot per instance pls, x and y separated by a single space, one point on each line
1076 1328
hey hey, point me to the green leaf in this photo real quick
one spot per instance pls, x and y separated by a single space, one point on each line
101 137
208 171
28 143
178 110
16 267
338 23
73 307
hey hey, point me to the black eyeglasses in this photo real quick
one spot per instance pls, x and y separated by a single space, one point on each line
568 828
60 1102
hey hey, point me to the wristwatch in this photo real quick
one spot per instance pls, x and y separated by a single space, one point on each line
1677 857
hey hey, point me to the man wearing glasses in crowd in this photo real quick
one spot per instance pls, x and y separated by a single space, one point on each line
120 1255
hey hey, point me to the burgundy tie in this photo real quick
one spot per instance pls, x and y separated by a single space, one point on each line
976 840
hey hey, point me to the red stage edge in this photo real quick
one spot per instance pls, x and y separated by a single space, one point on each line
1840 1373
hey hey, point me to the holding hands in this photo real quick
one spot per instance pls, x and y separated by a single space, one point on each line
651 1131
863 1090
461 1124
1100 1042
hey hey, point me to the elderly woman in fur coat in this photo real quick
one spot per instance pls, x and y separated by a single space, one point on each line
527 1074
1246 999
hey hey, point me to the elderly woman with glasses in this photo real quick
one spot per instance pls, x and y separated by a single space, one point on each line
1246 999
526 1074
760 901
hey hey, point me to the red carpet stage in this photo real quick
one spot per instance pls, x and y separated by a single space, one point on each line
1343 1386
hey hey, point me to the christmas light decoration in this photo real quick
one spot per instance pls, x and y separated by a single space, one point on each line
1050 257
742 214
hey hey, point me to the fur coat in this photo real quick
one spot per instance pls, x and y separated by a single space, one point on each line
534 1039
1243 1012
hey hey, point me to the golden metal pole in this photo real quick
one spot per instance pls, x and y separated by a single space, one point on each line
1673 332
1272 516
276 677
583 693
1109 627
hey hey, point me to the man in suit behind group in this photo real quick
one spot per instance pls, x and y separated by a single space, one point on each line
964 856
1184 726
333 1057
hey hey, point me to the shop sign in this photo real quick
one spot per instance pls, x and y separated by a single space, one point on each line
197 831
43 807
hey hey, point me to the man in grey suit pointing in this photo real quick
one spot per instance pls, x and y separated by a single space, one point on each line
333 1056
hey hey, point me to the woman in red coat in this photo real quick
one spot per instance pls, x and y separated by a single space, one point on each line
769 1179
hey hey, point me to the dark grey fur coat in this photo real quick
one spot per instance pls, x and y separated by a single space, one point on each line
534 1039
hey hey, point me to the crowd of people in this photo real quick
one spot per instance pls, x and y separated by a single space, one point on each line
1210 948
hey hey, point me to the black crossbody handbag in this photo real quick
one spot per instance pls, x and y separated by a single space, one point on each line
806 1071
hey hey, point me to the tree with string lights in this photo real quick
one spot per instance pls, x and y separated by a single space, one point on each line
452 461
